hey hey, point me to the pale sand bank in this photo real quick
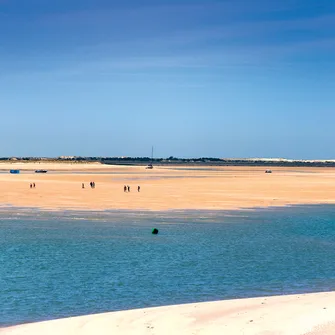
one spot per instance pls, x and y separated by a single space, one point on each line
163 188
309 314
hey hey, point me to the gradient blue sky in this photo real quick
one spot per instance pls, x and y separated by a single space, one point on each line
237 78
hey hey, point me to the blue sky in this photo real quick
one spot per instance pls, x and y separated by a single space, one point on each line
235 78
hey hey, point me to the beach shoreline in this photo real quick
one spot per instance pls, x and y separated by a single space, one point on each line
300 314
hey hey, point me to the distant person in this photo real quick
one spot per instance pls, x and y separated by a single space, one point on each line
34 185
31 185
138 188
124 188
128 187
82 185
91 184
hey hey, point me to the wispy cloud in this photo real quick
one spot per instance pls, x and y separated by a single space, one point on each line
180 36
247 42
262 28
164 16
182 9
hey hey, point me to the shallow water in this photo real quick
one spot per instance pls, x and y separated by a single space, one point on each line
73 263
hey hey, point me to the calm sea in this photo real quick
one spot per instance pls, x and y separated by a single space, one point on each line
58 265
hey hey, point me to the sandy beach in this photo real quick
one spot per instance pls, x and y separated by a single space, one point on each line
163 188
308 314
179 188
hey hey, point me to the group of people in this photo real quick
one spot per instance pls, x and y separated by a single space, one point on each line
92 184
126 188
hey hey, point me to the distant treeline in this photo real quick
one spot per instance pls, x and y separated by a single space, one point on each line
209 161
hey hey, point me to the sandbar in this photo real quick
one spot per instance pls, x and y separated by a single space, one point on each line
163 188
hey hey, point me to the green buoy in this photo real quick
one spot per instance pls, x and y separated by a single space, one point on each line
155 231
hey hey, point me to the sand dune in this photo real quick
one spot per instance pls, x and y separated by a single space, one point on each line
309 314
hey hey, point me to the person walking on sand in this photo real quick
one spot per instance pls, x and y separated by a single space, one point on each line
82 185
138 188
128 188
34 185
31 185
124 188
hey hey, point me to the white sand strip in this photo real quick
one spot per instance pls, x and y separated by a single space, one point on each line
308 314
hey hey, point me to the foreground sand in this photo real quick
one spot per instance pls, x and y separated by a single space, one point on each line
310 314
163 188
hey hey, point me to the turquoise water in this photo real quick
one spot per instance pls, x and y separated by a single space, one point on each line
71 264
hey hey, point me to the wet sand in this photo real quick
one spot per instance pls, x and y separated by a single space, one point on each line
163 188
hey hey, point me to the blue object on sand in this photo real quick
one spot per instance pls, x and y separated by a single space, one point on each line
14 171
